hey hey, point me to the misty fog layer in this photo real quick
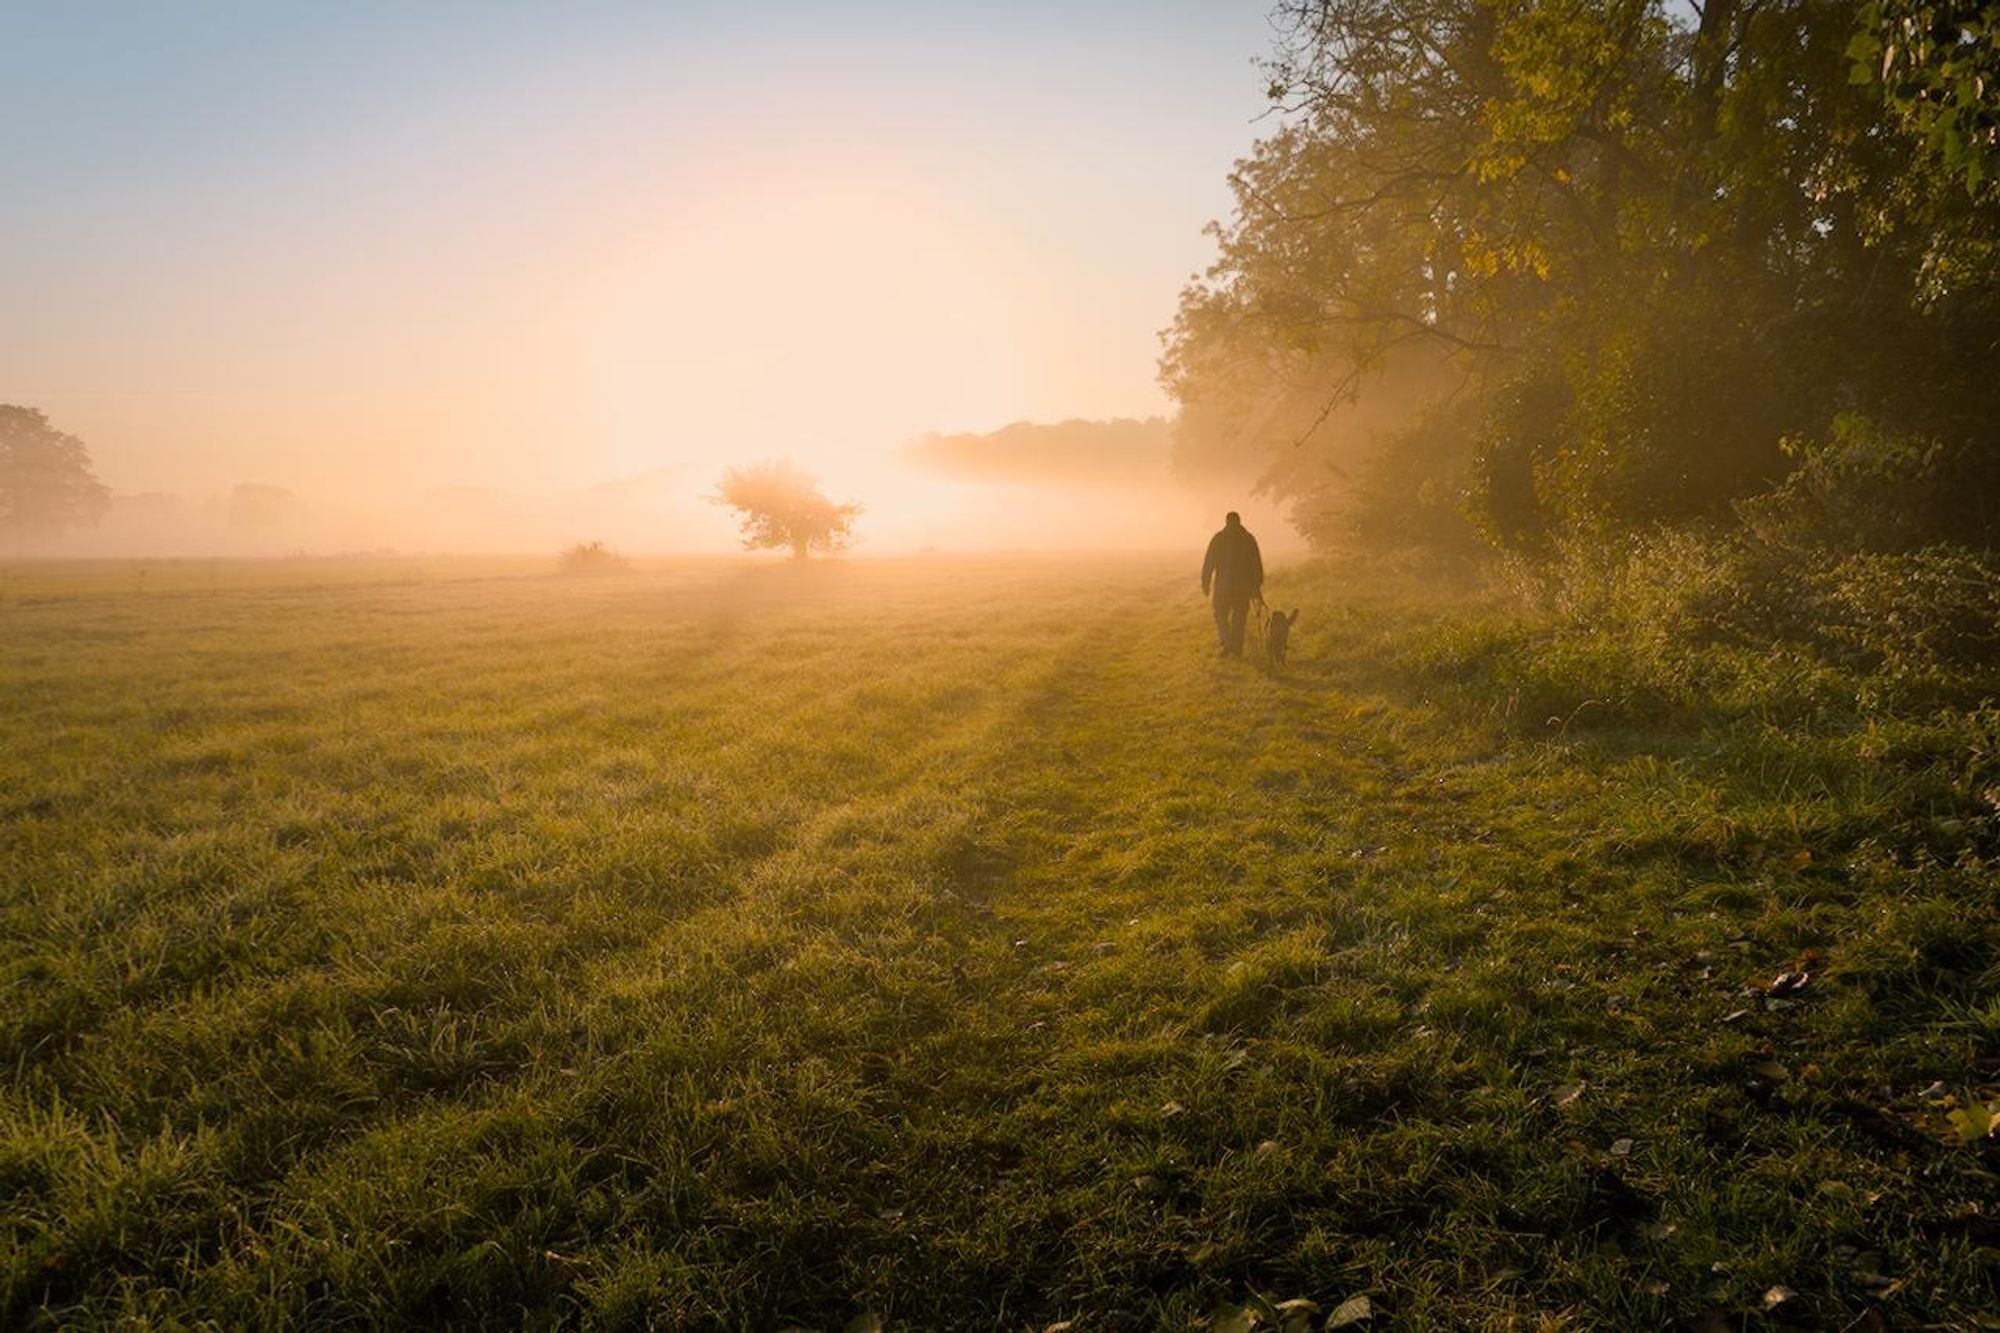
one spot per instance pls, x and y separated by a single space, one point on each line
1078 485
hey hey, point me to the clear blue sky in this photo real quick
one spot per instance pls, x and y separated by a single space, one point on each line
404 244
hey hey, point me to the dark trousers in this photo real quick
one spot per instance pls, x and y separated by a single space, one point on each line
1231 612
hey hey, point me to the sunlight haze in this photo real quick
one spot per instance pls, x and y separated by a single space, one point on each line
370 253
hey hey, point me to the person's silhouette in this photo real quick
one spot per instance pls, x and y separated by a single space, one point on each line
1234 570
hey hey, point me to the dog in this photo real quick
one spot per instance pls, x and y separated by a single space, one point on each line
1278 634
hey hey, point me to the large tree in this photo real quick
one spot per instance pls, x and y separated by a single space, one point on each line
780 506
1577 265
46 481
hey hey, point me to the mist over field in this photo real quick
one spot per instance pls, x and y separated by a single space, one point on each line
916 500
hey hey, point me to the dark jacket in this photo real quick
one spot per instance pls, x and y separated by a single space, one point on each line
1234 565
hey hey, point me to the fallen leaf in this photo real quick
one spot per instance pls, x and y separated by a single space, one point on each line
866 1322
1975 1121
1772 1070
1296 1316
1778 1297
1737 1016
1565 1094
1621 1148
1172 1109
1233 1319
1353 1311
1788 983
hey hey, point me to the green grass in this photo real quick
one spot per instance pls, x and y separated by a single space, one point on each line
958 940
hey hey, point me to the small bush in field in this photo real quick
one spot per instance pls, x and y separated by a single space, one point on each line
593 558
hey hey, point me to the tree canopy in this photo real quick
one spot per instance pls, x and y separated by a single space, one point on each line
46 480
1529 269
780 506
1939 64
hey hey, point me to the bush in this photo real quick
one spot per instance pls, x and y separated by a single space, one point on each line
1862 489
592 558
1924 616
1675 622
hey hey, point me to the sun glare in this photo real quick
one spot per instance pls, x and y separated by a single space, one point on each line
825 318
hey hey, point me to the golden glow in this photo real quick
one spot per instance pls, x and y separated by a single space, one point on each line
548 293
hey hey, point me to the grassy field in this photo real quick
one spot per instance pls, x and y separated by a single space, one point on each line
959 942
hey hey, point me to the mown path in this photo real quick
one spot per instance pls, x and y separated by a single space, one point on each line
952 940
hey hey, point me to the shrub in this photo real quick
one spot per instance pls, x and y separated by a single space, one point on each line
1862 489
1920 617
592 558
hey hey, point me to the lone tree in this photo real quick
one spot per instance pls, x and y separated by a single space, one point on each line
780 505
46 483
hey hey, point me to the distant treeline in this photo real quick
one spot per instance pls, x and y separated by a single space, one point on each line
1113 452
1536 279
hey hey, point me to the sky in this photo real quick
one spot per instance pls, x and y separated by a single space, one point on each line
373 248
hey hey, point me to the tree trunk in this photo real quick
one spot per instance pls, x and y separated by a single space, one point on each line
1713 41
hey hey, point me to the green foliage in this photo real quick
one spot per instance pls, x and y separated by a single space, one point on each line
782 508
1670 622
46 482
1633 248
1838 560
1412 495
1859 490
1923 615
1939 66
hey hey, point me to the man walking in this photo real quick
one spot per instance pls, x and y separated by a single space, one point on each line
1234 569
